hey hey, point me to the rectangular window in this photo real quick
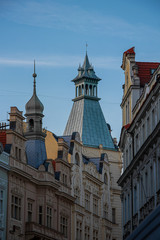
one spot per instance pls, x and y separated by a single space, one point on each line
87 233
151 180
64 226
143 133
16 208
95 206
142 190
79 230
106 211
1 201
125 210
77 195
146 184
49 217
137 143
16 152
40 215
148 126
126 158
19 154
95 234
64 179
29 212
87 201
128 207
113 215
153 120
135 199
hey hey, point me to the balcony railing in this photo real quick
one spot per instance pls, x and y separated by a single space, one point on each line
158 197
135 221
37 230
127 229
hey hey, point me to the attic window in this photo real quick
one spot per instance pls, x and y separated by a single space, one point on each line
152 70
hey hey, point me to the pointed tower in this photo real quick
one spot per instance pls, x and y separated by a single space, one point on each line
35 144
86 116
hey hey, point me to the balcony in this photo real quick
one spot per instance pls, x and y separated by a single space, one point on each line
135 221
151 204
158 197
39 231
141 214
127 229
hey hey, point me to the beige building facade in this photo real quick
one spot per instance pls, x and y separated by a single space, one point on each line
39 203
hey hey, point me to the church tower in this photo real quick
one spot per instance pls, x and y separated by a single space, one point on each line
35 144
86 116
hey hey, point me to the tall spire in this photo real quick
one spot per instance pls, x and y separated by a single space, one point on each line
86 64
86 47
34 82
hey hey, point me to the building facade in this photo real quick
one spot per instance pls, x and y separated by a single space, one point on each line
140 144
4 168
39 206
95 162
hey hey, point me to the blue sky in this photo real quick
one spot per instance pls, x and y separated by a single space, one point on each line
54 33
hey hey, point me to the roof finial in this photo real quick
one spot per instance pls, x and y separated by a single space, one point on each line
34 75
86 47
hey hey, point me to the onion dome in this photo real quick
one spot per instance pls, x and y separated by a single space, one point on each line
34 105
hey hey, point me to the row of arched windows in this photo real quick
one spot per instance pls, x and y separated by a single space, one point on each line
86 89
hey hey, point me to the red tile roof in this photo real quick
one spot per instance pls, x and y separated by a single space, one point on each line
130 51
144 71
127 126
3 137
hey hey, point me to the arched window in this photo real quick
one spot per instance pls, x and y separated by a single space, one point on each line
90 90
31 124
95 91
82 89
40 124
76 91
77 161
86 89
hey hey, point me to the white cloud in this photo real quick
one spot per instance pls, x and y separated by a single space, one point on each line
51 14
64 61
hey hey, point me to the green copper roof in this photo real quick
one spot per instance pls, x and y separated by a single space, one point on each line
87 118
86 71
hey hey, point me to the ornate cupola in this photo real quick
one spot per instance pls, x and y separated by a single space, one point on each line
86 116
35 144
86 82
34 114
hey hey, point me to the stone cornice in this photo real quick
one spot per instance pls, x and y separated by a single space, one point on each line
58 160
92 178
67 196
36 181
149 141
10 131
86 97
